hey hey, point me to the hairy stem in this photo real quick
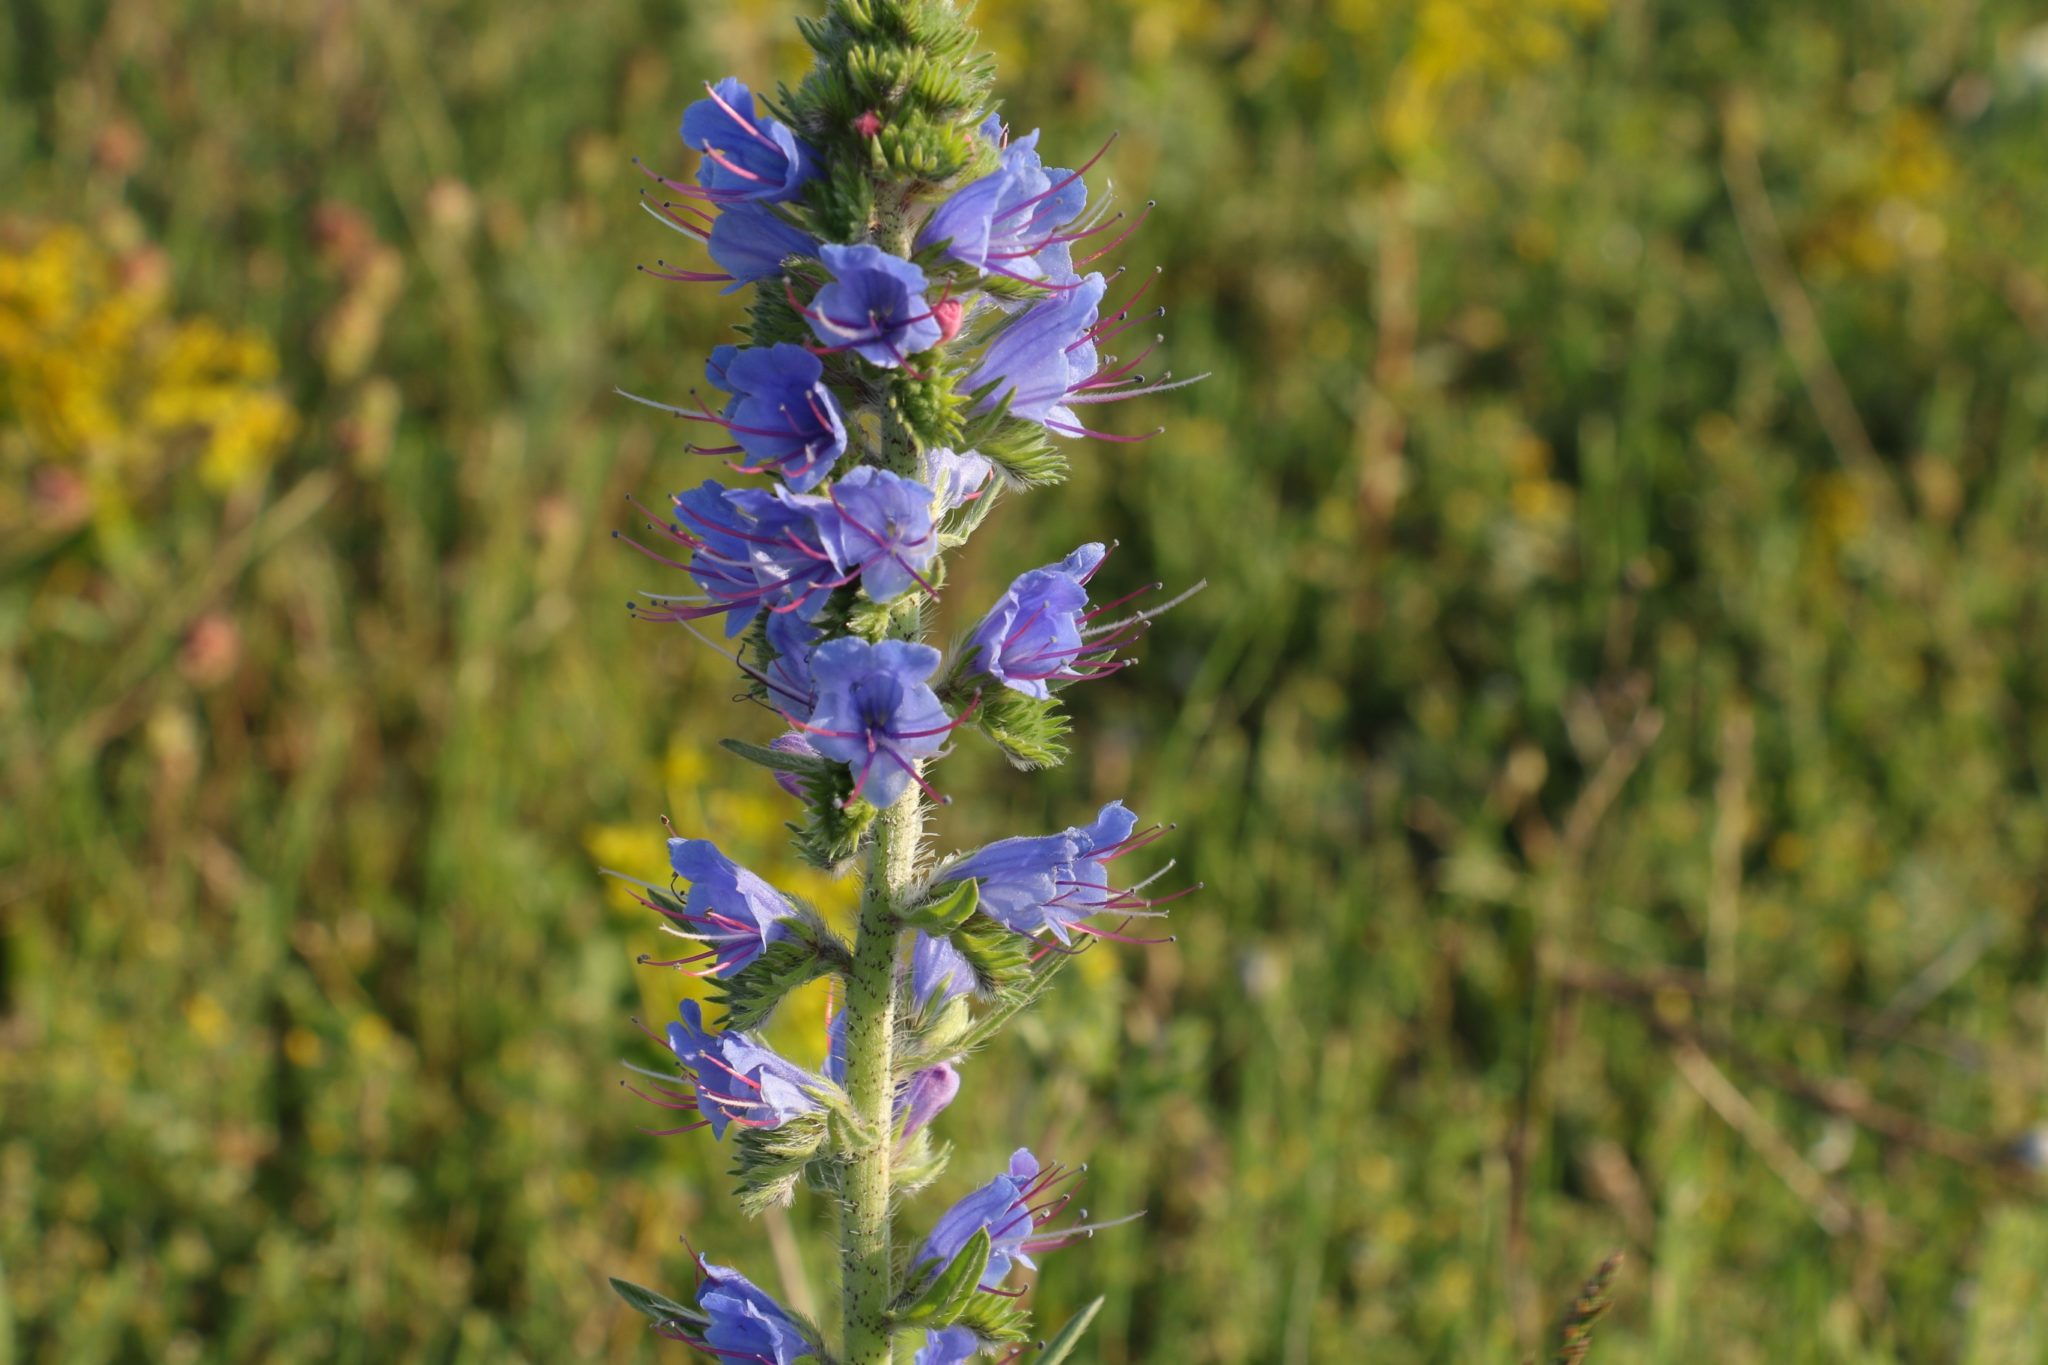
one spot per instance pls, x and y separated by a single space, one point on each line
870 1037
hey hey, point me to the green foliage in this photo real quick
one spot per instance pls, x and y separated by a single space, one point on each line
998 1321
917 1163
914 67
772 319
663 1311
834 823
1031 731
999 956
946 1292
768 1162
776 760
923 400
1022 452
947 910
1063 1343
812 950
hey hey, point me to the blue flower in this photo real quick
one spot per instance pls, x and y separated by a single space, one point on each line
750 242
938 969
748 551
1033 634
1019 878
1096 845
788 678
875 711
1003 1206
728 907
745 157
1010 222
1054 881
781 413
1044 358
947 1346
746 1324
874 306
877 525
739 1080
955 478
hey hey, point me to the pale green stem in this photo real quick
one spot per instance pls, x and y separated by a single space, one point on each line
870 1067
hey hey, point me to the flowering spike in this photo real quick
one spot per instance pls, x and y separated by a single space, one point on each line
923 330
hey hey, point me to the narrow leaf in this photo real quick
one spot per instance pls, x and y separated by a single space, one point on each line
806 765
1060 1346
662 1309
941 1301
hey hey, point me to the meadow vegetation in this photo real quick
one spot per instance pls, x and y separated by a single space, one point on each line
1613 736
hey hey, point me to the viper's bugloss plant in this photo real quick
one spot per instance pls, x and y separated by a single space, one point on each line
924 324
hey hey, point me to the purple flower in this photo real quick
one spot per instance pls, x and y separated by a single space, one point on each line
747 551
1044 358
750 242
746 1324
1019 878
788 678
745 157
938 969
1010 222
922 1097
1033 634
876 525
739 1080
947 1346
1058 881
874 306
781 414
1003 1207
728 907
955 479
876 713
1010 1209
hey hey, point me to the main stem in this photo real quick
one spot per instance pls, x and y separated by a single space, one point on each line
870 1074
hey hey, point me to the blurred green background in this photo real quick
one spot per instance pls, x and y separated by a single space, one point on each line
1613 738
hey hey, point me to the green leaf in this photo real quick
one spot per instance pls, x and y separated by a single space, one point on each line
662 1309
1069 1336
832 833
998 954
807 765
769 1161
995 1318
809 952
1030 731
944 914
942 1300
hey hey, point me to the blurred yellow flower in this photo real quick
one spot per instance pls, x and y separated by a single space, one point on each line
100 383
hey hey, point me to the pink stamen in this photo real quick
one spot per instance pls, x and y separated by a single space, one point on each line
729 164
1122 237
1072 176
753 130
